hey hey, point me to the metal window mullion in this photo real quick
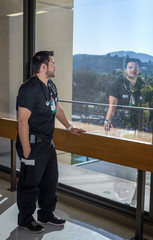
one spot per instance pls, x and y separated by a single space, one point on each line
13 165
151 199
29 25
140 204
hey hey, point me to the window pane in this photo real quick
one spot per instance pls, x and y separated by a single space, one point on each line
92 41
112 76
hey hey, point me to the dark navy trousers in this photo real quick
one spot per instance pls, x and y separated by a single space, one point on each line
38 181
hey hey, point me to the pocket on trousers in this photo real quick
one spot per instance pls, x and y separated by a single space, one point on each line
32 154
28 173
28 167
28 162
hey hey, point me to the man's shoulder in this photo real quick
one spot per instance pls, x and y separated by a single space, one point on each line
27 94
31 82
119 82
31 86
117 86
140 83
118 78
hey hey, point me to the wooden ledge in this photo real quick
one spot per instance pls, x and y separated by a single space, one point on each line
119 151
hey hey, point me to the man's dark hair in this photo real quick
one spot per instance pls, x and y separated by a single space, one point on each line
39 58
132 60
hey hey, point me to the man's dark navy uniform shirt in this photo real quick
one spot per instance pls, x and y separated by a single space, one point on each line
127 94
35 96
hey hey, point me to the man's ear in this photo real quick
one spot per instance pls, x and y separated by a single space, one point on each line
43 67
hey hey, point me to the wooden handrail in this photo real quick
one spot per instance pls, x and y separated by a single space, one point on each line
119 151
8 128
127 153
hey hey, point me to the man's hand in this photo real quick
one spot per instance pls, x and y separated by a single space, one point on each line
113 101
76 131
107 126
26 152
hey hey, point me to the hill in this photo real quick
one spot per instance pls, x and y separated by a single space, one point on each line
142 56
110 62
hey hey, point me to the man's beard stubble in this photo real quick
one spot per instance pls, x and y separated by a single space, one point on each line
133 78
50 74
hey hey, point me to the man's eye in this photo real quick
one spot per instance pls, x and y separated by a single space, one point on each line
133 68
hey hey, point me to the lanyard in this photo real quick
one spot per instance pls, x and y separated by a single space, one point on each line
51 89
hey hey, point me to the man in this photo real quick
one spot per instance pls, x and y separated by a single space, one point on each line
125 91
37 106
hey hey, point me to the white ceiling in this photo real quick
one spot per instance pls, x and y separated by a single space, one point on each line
15 6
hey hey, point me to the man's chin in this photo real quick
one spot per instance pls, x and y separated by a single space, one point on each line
51 76
133 77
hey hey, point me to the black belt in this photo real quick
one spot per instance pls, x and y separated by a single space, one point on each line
35 139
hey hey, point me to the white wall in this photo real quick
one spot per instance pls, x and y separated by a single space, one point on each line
54 31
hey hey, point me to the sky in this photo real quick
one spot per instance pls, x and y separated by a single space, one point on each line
103 26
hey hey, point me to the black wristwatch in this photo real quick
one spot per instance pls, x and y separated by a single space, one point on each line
107 121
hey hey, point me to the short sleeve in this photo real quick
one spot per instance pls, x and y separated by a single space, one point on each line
114 91
26 97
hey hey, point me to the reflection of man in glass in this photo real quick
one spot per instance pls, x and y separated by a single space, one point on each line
124 91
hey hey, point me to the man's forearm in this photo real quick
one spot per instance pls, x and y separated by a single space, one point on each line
60 115
62 118
111 109
110 113
23 129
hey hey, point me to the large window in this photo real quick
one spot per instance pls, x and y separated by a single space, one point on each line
106 34
92 40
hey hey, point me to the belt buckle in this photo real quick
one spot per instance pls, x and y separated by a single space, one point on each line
35 139
32 139
38 140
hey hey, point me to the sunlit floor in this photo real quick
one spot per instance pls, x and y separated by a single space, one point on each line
70 231
80 225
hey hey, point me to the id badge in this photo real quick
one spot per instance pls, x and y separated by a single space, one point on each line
132 101
53 106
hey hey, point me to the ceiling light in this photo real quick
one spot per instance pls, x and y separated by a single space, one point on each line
21 13
40 12
15 14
